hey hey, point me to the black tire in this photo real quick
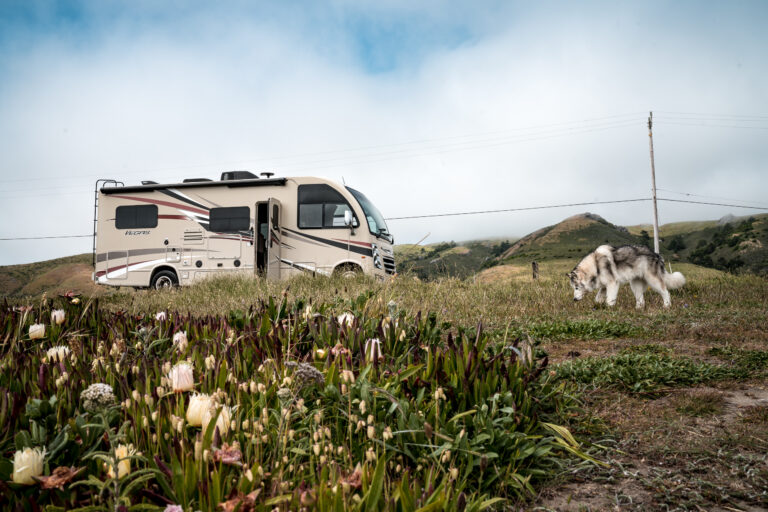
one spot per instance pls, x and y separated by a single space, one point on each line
164 279
348 270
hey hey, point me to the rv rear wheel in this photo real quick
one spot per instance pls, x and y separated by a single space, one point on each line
164 279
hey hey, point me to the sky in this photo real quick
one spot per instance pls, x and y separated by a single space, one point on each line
427 107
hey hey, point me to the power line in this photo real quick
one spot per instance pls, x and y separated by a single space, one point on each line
46 237
516 209
713 204
708 197
479 212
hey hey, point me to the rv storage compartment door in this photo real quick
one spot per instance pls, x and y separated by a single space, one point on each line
275 240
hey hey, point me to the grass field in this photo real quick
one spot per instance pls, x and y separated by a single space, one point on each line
495 392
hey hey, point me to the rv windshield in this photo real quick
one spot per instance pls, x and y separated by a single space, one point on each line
376 223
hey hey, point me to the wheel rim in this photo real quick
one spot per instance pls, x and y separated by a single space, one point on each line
163 282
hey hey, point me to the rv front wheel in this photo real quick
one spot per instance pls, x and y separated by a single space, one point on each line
164 279
348 270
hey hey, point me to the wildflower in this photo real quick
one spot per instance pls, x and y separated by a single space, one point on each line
454 473
446 456
362 407
223 417
346 319
387 434
439 394
75 301
307 313
253 387
36 331
97 397
57 354
373 350
121 460
392 307
210 362
136 395
198 404
161 316
370 455
320 354
26 464
261 388
58 316
173 508
182 377
180 340
371 431
347 376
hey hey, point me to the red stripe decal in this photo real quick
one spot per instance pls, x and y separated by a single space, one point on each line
176 217
112 269
363 244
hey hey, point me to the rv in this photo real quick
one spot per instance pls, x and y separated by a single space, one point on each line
164 235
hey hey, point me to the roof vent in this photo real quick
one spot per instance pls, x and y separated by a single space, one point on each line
195 180
238 175
267 174
148 182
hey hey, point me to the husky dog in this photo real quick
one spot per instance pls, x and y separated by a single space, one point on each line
608 267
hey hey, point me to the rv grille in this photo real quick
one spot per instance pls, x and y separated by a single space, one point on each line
389 265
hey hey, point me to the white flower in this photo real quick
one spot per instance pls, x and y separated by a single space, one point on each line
210 362
26 464
373 350
346 319
198 405
223 419
161 316
123 463
439 394
182 377
58 316
57 354
36 331
97 396
387 434
180 340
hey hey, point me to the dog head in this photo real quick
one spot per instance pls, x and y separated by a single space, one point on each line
578 283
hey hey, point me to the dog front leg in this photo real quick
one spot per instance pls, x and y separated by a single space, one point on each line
600 296
611 292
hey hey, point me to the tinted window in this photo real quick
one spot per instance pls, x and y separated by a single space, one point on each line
233 219
136 217
321 206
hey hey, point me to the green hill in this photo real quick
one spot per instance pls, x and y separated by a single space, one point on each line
572 238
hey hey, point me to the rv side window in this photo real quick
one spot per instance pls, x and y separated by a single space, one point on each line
321 206
136 217
233 219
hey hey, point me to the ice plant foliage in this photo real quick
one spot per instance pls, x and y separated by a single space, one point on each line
290 412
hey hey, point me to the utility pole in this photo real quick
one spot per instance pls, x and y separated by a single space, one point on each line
653 184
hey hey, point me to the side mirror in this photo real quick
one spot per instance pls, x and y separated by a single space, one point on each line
349 221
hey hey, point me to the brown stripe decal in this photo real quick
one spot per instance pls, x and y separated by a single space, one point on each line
165 203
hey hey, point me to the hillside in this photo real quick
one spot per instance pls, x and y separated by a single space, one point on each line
572 238
735 244
448 259
57 275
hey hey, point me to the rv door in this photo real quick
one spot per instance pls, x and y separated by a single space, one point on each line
274 240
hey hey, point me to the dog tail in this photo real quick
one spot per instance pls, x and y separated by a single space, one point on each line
674 281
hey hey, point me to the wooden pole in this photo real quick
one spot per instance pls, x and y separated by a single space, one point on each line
653 186
535 268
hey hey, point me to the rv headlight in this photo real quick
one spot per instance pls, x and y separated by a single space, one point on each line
376 256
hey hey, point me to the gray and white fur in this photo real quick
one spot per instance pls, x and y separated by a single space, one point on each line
608 267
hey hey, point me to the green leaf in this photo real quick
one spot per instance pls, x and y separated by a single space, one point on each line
375 490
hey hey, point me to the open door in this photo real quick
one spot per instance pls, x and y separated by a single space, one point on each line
274 239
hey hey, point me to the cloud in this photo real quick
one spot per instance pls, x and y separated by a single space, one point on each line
425 109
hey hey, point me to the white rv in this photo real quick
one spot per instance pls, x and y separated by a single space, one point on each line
156 235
